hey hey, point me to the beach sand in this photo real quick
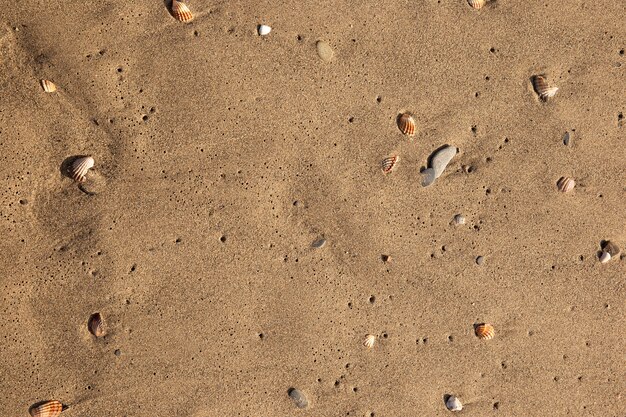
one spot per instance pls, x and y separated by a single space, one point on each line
221 156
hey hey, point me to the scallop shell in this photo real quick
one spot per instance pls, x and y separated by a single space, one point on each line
48 86
605 257
565 184
610 248
454 404
96 325
181 11
370 339
477 4
389 164
263 30
406 124
47 409
540 84
80 167
485 331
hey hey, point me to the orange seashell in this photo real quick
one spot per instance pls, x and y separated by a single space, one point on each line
79 168
540 84
47 409
48 86
181 11
389 164
565 184
477 4
96 325
406 124
485 331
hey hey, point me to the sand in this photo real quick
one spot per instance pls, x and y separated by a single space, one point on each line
221 156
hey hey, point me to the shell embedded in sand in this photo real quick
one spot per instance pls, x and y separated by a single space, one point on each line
459 219
406 124
389 164
80 167
324 51
48 86
610 248
370 339
605 257
540 84
181 11
477 4
263 30
48 409
298 397
565 184
454 404
485 331
96 325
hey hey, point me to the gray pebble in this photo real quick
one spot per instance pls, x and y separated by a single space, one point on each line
567 139
298 397
319 243
428 177
441 159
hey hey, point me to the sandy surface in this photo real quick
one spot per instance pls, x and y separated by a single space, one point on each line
221 156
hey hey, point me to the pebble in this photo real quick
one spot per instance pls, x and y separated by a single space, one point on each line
567 139
324 51
441 159
319 243
298 397
428 177
454 404
459 219
263 30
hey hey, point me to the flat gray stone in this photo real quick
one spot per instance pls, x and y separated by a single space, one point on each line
441 159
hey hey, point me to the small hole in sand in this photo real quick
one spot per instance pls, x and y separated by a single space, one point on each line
23 201
351 120
450 338
372 299
223 239
379 99
496 405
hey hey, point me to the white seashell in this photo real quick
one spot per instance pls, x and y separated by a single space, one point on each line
454 404
48 86
605 257
181 11
370 339
263 30
80 167
441 159
459 219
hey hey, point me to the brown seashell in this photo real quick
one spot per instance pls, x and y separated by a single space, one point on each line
181 11
79 168
565 184
47 409
389 164
96 325
610 248
477 4
48 86
540 84
406 124
485 331
370 339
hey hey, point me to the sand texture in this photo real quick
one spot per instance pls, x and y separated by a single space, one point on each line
223 158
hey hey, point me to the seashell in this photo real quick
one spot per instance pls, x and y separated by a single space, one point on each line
485 331
477 4
298 397
605 257
319 243
80 167
389 164
565 184
406 124
428 177
441 158
48 86
96 325
263 30
540 84
370 339
324 51
47 409
459 219
181 11
610 248
454 404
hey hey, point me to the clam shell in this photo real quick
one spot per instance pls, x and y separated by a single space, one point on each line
454 404
565 184
389 164
263 30
370 339
48 86
406 124
47 409
540 84
298 397
605 257
79 168
476 4
485 331
459 219
96 325
611 248
181 11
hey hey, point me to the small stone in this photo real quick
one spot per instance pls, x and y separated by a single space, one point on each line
263 30
325 51
454 404
480 260
319 243
428 177
567 139
441 159
298 397
459 219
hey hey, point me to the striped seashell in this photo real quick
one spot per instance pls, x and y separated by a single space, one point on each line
48 86
406 124
477 4
540 84
389 164
485 331
605 257
47 409
565 184
80 167
370 339
96 325
181 11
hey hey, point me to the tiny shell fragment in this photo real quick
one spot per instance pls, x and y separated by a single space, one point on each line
485 331
79 168
298 397
406 124
324 51
47 409
565 184
264 30
477 4
181 11
370 339
540 84
459 219
389 164
48 86
96 325
605 257
454 404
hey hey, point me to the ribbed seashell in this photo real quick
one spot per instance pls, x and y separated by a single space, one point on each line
47 409
565 184
454 404
263 30
96 325
80 167
485 331
370 339
181 11
406 124
48 86
610 248
389 164
477 4
540 84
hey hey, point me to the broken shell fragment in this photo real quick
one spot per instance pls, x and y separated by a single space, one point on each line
370 339
181 11
298 397
47 409
389 164
454 404
263 30
477 4
48 86
96 325
79 168
610 248
540 84
406 124
565 184
485 331
605 257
